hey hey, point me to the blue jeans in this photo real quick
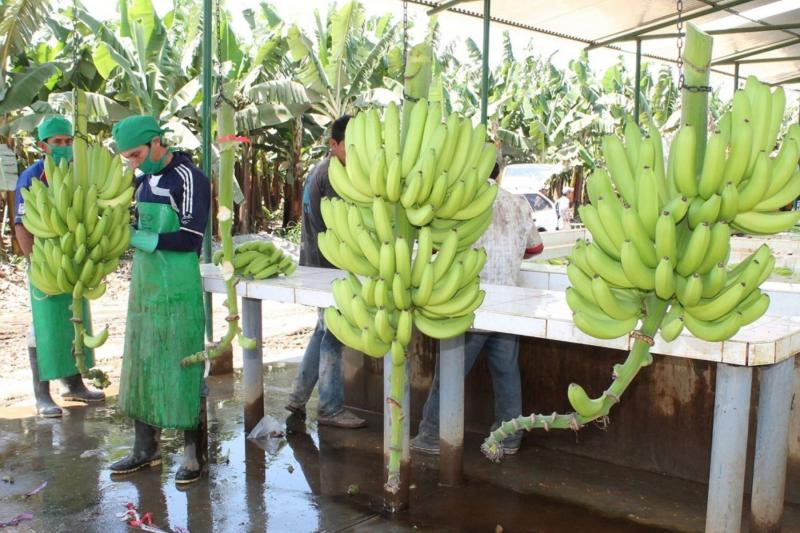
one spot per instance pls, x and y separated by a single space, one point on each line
501 350
321 362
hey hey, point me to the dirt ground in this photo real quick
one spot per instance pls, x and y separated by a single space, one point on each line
286 330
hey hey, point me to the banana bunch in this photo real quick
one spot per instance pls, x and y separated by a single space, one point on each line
425 182
259 259
80 222
661 235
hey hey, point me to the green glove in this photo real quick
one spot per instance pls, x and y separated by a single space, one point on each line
145 241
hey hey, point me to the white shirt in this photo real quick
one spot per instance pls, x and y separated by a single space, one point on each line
511 232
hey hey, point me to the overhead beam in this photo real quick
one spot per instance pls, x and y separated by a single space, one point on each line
736 57
793 79
664 23
446 5
726 31
768 60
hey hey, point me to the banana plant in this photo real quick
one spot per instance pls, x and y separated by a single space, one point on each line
661 233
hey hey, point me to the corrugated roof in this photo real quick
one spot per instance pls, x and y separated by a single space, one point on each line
614 22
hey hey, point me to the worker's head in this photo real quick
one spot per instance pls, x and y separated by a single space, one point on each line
55 138
336 141
569 192
140 141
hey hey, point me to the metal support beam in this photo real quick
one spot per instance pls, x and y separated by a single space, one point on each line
398 501
735 77
772 446
637 84
728 448
206 125
793 79
446 5
734 58
487 19
663 23
726 31
451 410
768 60
252 365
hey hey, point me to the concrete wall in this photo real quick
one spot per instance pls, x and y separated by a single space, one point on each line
663 423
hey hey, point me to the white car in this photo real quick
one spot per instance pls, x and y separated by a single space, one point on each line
527 180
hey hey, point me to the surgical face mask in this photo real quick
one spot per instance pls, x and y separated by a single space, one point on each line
148 166
60 153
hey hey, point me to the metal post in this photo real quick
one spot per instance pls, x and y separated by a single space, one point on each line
394 502
206 105
735 77
451 410
638 82
772 445
252 368
728 448
485 64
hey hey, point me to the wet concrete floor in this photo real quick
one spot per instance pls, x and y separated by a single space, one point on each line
313 480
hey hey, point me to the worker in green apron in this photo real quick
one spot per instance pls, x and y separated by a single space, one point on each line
165 306
52 335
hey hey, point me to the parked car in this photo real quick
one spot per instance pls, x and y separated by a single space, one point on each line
528 180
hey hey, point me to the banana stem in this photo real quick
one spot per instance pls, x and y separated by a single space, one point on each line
395 401
638 357
696 73
225 127
77 343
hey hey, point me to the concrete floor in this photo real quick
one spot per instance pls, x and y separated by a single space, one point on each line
315 480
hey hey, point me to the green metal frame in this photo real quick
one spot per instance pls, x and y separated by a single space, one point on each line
738 56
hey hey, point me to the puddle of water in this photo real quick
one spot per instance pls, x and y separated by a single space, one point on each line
303 487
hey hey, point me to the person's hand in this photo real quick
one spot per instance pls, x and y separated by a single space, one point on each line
145 241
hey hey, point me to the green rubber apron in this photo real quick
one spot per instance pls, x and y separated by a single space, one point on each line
54 334
165 324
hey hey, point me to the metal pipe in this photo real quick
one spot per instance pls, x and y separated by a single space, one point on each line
252 364
487 19
735 77
638 82
445 6
728 448
394 502
664 23
206 125
769 60
772 446
727 31
451 410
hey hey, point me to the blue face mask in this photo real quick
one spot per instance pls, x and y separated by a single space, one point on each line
60 153
148 166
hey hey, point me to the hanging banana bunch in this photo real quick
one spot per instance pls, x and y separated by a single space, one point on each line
661 240
80 223
431 189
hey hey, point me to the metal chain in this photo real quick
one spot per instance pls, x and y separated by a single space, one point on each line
405 30
679 7
220 80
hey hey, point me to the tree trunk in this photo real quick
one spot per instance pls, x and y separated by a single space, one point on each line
245 209
297 162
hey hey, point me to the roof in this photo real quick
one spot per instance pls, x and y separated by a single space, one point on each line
762 36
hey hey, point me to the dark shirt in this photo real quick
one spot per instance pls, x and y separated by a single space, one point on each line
24 181
187 190
317 187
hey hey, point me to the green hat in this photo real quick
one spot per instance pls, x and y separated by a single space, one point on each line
135 131
52 126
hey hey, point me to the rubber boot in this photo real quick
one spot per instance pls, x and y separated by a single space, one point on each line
145 450
45 406
78 392
195 450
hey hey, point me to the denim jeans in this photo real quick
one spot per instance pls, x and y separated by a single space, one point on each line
321 362
501 350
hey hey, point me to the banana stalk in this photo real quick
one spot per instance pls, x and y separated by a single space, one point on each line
696 73
81 176
225 128
638 358
395 401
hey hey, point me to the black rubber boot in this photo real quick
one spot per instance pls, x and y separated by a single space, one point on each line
195 450
145 450
45 406
78 392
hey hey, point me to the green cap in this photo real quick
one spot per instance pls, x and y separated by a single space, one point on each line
52 126
134 131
